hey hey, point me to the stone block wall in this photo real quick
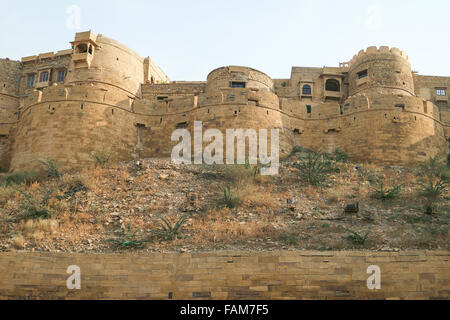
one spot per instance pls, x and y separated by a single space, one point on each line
292 275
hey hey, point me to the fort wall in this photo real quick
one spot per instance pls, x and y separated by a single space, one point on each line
112 99
227 275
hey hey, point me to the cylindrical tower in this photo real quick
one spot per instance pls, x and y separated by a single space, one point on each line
383 70
91 112
10 74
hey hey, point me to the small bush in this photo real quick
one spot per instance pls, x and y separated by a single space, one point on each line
3 170
433 183
383 193
33 207
73 184
101 157
339 156
316 168
288 239
51 167
168 231
127 240
229 199
357 238
18 178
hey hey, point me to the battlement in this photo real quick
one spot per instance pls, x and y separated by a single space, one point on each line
382 50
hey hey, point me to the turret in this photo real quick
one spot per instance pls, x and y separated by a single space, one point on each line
385 70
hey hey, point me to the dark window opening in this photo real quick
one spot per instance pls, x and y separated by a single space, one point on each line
162 98
341 110
61 75
30 81
160 120
308 109
306 90
182 125
235 113
332 85
90 49
43 76
82 48
112 111
82 106
296 131
362 74
235 84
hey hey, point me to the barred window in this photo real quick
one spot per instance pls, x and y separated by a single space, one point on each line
441 92
61 75
30 81
43 77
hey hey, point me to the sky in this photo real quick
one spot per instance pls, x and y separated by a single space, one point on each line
188 39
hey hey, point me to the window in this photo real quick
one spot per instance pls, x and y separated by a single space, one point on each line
237 84
362 74
441 92
308 109
30 81
332 85
306 90
43 77
90 49
82 48
61 75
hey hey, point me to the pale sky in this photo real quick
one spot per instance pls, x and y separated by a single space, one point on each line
188 39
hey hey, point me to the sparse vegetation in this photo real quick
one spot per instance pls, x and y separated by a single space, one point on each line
18 178
229 198
169 231
101 157
51 167
368 175
288 239
127 240
433 183
106 210
383 193
34 206
316 168
357 238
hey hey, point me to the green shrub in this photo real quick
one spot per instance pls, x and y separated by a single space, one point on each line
127 240
229 199
18 178
433 182
168 231
3 170
51 167
316 168
357 238
288 239
34 207
383 193
339 156
101 157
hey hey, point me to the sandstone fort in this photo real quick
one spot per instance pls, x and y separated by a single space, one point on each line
102 95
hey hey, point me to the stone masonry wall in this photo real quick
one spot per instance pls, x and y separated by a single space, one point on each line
227 275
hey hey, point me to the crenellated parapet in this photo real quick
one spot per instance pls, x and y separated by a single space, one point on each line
383 50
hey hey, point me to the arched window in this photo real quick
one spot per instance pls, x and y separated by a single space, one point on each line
306 90
332 85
